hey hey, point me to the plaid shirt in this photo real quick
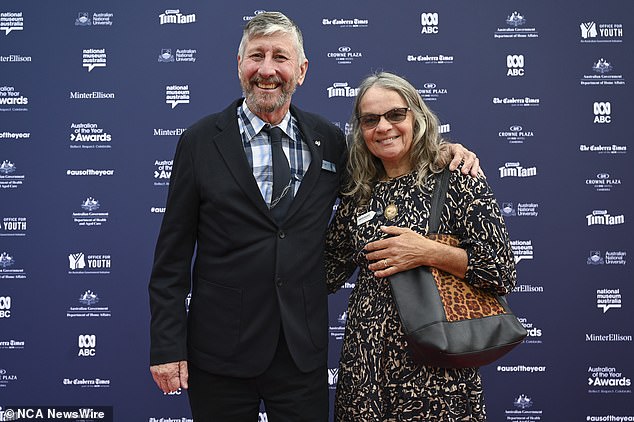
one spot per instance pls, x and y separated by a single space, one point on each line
257 147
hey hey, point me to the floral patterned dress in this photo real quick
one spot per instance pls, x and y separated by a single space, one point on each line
377 379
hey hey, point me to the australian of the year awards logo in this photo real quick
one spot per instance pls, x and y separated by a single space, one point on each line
12 100
162 172
90 19
593 32
89 135
515 28
88 305
11 21
602 73
9 268
337 330
13 226
608 380
91 215
10 177
534 332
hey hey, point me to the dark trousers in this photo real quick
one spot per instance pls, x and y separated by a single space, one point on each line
289 395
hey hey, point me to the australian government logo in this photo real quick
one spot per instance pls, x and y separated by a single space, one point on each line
10 269
522 250
10 176
608 380
515 28
592 32
603 182
11 21
430 59
13 226
516 134
522 209
91 214
609 299
180 55
524 410
345 22
603 74
12 100
604 218
88 305
162 172
87 19
609 258
175 17
89 136
344 55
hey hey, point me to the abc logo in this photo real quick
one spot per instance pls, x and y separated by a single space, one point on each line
5 306
602 112
429 21
515 65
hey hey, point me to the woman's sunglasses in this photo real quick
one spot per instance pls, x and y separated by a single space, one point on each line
370 121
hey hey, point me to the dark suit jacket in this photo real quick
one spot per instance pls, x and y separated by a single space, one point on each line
250 276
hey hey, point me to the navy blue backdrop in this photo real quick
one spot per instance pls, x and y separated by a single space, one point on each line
93 96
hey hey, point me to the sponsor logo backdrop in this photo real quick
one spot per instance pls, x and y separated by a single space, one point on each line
93 97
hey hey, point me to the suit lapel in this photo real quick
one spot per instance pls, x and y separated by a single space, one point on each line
312 138
229 144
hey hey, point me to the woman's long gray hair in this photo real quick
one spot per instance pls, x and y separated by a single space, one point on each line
425 156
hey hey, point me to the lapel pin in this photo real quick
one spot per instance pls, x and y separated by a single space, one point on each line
318 142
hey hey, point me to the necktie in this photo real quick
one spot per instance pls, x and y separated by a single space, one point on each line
282 194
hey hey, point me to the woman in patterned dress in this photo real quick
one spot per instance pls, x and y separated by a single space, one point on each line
379 227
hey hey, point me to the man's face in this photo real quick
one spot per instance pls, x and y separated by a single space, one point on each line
269 72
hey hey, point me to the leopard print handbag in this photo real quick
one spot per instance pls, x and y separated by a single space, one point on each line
447 322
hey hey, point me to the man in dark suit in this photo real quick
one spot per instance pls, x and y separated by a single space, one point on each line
256 329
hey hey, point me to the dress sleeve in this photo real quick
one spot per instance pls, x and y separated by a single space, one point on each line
482 231
340 249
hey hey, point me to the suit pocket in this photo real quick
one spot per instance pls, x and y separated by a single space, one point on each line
215 318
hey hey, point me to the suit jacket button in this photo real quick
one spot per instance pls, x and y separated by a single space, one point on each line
279 282
281 234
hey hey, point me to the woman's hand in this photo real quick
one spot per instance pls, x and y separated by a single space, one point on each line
406 249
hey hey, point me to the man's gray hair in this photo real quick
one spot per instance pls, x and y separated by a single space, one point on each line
267 23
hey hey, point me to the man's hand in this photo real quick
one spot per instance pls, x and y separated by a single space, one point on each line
170 376
470 162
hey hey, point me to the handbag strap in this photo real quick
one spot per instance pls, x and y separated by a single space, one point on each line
438 199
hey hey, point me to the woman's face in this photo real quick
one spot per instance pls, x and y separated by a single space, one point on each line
388 141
